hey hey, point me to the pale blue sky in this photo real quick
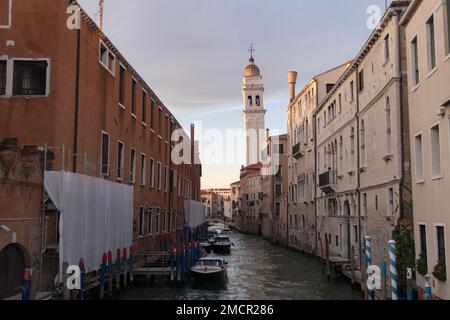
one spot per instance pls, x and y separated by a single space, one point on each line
193 52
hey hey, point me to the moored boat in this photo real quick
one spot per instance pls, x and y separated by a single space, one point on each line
210 269
222 244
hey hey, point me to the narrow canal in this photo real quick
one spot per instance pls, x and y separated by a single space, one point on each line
257 270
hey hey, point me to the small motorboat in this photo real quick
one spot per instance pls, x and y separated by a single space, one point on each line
222 244
210 269
226 230
206 245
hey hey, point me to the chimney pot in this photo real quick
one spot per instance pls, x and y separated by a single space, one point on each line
292 77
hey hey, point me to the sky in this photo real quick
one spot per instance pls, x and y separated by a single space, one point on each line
193 53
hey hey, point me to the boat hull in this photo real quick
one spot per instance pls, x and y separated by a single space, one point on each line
222 248
218 276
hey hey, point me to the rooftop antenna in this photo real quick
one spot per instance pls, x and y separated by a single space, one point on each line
100 11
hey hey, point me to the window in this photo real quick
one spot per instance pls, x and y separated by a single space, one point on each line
386 48
104 154
277 190
107 58
352 91
419 158
159 175
30 78
355 233
352 147
435 151
376 203
277 209
143 169
132 165
165 178
122 86
440 237
364 204
144 107
415 62
431 44
423 240
152 173
152 110
363 143
361 80
2 77
330 87
340 103
258 101
388 127
133 96
390 201
120 160
160 126
141 221
278 148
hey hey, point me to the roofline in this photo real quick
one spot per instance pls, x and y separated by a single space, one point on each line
410 12
124 61
314 79
392 10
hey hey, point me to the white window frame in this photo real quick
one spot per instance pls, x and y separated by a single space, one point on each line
120 161
418 179
10 76
415 62
431 52
141 221
121 66
159 184
105 174
143 169
132 177
108 53
9 25
166 180
436 252
152 173
435 176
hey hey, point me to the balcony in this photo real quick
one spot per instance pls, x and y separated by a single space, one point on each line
328 181
298 150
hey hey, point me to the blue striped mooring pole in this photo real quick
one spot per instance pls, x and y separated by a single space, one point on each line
368 261
393 268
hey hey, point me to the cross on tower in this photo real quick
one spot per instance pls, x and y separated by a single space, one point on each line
251 50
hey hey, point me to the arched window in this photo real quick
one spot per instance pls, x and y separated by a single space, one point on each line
388 127
341 152
250 101
258 101
363 143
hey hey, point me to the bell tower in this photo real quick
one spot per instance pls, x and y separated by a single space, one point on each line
253 113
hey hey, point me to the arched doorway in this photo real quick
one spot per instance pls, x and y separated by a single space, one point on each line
12 267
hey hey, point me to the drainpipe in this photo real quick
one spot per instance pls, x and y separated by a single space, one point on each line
77 104
400 113
358 192
315 172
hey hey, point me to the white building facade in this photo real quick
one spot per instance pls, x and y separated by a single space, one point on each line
427 26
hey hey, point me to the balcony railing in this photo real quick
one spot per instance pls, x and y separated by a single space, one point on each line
328 180
298 150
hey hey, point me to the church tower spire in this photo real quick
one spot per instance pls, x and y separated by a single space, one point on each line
253 111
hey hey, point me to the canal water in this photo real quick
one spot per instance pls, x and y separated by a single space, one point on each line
257 270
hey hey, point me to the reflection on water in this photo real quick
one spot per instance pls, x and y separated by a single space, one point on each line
257 270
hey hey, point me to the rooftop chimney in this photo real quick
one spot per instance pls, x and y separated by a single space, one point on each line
292 77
